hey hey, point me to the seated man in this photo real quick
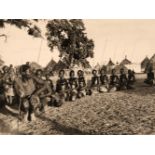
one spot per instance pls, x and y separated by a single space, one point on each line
123 80
95 81
49 81
53 99
73 84
62 87
114 81
131 77
81 84
104 82
150 77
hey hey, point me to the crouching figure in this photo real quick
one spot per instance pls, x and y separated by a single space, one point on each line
104 82
25 88
81 84
150 77
114 81
95 82
73 85
61 88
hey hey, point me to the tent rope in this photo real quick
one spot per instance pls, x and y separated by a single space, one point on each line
38 58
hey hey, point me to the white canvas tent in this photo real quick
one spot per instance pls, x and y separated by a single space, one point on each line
97 66
136 67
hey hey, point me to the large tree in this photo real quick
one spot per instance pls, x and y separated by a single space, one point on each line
69 37
30 25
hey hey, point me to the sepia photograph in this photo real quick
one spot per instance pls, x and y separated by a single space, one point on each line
77 76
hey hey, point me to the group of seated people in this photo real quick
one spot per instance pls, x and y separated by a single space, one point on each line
102 83
33 91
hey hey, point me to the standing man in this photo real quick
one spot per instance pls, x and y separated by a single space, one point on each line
26 87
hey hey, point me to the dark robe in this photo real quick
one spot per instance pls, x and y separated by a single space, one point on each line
73 83
104 79
61 85
150 78
95 81
123 81
114 80
81 83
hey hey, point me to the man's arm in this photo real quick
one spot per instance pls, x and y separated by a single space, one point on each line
45 87
37 80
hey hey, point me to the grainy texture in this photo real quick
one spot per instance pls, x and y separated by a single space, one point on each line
124 112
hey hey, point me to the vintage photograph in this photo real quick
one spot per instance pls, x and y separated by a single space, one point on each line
77 77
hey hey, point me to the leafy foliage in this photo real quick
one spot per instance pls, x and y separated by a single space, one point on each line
69 38
22 23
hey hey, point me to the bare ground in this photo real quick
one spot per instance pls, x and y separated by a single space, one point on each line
124 112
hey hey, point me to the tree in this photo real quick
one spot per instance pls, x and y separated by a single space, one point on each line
69 37
32 29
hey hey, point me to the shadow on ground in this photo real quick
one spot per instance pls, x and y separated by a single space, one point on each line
62 128
8 112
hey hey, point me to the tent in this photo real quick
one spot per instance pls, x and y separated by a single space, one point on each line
144 64
151 64
125 61
35 66
110 63
50 65
1 62
135 67
97 66
86 65
104 67
110 66
76 67
118 67
60 65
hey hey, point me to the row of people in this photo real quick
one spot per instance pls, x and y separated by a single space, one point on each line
32 91
114 83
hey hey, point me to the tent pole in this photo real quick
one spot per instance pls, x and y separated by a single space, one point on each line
39 50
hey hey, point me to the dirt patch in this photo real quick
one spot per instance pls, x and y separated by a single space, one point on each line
124 112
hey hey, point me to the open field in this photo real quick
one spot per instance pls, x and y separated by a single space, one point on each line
124 112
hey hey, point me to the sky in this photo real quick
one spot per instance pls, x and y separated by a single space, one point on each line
113 39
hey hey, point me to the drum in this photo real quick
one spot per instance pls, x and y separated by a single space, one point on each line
103 89
113 89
